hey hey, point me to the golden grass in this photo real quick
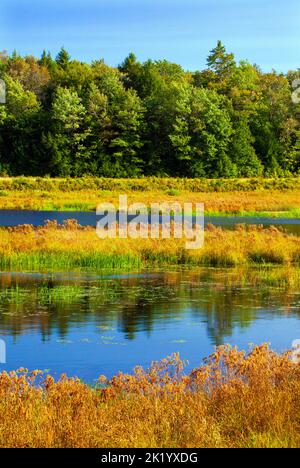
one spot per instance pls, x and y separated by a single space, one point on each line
73 246
279 197
235 399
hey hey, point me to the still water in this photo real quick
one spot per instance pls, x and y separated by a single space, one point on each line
38 218
84 324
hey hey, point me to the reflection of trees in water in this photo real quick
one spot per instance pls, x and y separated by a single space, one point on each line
226 310
135 304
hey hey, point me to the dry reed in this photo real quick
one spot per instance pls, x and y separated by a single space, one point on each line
235 399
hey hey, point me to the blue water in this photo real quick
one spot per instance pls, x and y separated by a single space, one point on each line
38 218
87 325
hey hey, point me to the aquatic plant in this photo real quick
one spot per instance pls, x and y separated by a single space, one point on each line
71 246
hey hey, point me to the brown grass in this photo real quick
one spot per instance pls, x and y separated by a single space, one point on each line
238 196
72 245
233 400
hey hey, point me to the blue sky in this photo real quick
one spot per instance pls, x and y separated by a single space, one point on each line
266 32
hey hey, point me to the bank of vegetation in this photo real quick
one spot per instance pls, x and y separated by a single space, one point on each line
73 246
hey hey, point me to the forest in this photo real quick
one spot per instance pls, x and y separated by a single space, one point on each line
66 118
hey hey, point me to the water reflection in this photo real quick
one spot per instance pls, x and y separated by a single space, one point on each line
85 325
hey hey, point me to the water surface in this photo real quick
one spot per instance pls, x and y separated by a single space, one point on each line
38 218
86 324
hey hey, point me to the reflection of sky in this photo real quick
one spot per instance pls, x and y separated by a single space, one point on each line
88 352
263 31
137 327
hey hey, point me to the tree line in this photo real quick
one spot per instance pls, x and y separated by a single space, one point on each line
63 117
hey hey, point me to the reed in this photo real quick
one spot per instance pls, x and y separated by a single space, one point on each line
70 246
69 260
234 399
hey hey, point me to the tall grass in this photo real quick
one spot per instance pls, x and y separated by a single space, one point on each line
68 260
71 246
235 399
279 197
149 184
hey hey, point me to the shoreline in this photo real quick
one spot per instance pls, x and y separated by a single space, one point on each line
233 399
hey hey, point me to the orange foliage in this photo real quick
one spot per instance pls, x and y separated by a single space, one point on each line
233 400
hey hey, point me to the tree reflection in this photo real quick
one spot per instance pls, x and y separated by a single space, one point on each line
137 304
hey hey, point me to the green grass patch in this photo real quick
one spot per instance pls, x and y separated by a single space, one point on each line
68 260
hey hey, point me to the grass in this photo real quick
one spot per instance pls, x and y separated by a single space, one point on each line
287 277
286 212
55 260
235 399
72 246
243 197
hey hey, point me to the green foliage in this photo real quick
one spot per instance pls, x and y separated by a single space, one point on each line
172 186
219 61
68 153
242 151
68 118
63 58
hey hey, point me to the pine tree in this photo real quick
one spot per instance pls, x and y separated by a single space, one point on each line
63 58
219 61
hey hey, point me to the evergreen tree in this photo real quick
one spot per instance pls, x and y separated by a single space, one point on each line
219 61
242 152
63 58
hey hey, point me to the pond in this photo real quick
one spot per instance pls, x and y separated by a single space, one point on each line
87 324
38 218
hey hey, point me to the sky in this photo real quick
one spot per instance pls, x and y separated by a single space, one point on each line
265 32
